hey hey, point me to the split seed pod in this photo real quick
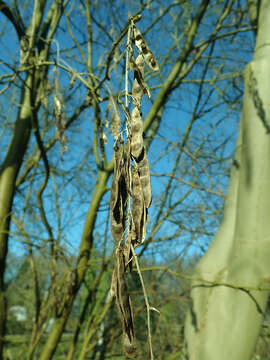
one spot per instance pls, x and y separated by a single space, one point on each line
124 305
144 50
119 195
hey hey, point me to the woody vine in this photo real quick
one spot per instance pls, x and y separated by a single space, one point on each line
131 193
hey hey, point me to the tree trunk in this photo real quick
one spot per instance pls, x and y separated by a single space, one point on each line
8 175
228 306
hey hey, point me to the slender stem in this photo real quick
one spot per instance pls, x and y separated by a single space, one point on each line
127 64
148 308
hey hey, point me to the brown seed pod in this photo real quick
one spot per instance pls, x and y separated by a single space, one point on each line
138 208
118 156
144 50
124 304
118 200
136 133
115 116
139 86
144 173
137 90
127 165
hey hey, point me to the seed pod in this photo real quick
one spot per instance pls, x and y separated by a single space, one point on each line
139 86
118 200
144 50
115 116
127 165
124 305
144 173
118 155
127 251
136 133
138 208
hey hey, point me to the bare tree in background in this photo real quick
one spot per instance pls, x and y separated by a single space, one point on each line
62 80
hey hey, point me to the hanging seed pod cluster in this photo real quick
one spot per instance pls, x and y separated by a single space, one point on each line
131 193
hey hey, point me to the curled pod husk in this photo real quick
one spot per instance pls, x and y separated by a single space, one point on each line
136 145
124 305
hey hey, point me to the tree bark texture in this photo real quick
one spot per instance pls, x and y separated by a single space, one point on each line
228 304
8 175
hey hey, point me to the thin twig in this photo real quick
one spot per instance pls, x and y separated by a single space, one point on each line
127 64
193 185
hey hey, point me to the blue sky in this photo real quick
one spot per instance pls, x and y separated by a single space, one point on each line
208 151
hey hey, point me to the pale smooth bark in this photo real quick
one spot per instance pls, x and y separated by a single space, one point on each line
227 309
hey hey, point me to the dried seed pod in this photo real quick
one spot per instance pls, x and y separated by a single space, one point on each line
126 172
118 156
130 348
119 211
115 116
137 90
138 208
144 50
144 173
127 251
136 133
124 305
118 200
139 86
